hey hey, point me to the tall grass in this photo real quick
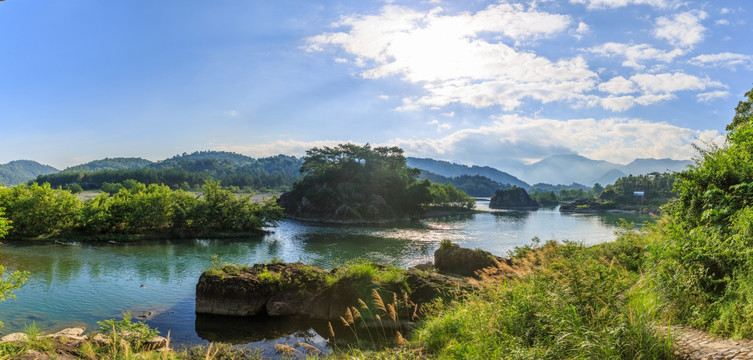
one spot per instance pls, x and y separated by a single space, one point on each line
552 302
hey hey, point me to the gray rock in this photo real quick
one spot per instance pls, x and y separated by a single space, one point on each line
14 337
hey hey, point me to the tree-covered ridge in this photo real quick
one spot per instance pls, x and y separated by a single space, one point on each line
656 189
473 185
448 169
191 171
111 164
19 171
234 159
42 211
357 183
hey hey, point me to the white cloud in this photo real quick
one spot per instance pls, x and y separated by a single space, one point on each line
610 4
440 126
582 30
722 22
231 113
513 137
384 97
449 114
652 89
669 83
453 58
618 85
726 59
708 96
683 29
618 103
635 54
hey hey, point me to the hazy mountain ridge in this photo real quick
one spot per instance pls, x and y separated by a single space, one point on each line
571 168
449 169
20 171
556 169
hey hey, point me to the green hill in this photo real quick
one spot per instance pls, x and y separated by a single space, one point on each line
473 185
185 171
19 171
111 164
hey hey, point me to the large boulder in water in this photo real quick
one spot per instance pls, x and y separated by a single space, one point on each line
514 198
452 258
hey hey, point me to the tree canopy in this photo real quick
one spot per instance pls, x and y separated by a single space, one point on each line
361 183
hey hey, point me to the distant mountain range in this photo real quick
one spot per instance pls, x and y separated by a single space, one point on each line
20 171
448 169
569 168
557 169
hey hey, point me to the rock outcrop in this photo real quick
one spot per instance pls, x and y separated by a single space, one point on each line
307 291
452 258
514 198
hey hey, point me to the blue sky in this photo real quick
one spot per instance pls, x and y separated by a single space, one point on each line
476 82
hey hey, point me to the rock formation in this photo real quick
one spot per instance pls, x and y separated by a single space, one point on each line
514 198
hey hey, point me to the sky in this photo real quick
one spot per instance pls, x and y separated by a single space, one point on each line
474 82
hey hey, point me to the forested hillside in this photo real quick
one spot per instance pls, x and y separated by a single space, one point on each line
111 164
188 171
449 169
473 185
19 171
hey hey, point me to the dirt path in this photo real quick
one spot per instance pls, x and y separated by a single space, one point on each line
693 344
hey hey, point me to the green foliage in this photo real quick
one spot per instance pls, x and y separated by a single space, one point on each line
21 171
446 195
566 195
576 306
39 210
701 269
365 272
125 335
374 182
657 189
133 330
545 198
219 351
185 171
134 209
32 331
473 185
743 112
110 164
4 223
15 280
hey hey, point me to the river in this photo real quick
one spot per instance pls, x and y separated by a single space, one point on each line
82 283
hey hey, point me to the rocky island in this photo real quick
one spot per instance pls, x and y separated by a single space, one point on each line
294 289
514 198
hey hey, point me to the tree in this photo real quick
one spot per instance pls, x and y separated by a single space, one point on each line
743 112
16 279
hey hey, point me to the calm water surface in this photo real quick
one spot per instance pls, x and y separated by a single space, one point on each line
82 283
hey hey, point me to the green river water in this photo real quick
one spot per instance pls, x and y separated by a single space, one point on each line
82 283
